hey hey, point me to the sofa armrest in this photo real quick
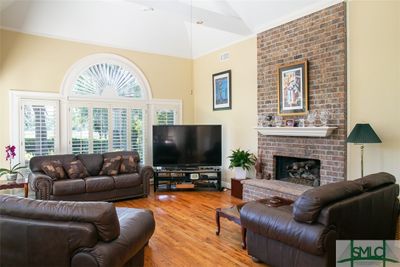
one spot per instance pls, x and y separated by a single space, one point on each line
278 224
137 226
146 173
42 184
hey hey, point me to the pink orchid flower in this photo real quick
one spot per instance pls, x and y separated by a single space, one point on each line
10 152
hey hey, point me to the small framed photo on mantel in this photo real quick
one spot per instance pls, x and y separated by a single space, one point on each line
293 89
222 84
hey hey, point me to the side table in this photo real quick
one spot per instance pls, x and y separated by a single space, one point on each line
19 183
237 187
233 213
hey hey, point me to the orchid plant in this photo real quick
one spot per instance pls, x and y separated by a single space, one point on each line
10 155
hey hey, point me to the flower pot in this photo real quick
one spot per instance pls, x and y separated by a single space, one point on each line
240 173
11 176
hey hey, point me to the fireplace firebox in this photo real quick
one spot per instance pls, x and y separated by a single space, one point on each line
298 170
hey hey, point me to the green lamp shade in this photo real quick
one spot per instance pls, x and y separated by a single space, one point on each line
363 133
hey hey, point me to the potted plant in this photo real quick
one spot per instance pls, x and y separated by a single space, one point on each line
241 161
13 171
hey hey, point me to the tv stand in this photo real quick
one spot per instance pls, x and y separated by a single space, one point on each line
184 179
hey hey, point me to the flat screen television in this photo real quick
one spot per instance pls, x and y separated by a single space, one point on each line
187 145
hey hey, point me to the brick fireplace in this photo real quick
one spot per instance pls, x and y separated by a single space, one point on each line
321 39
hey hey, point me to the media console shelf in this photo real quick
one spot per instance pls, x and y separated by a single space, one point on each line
187 179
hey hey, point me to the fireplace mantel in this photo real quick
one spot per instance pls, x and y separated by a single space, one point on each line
322 131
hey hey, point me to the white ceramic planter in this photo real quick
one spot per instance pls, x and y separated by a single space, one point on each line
240 173
11 177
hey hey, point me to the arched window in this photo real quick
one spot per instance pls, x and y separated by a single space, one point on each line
108 80
106 76
107 105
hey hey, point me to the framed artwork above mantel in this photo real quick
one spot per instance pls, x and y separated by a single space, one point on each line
293 89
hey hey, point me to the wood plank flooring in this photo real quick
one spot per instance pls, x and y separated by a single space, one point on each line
185 230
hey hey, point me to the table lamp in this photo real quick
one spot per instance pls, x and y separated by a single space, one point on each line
362 134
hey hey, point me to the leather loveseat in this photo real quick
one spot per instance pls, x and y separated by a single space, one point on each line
78 234
96 186
305 233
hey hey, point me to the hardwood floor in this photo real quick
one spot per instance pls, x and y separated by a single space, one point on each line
185 230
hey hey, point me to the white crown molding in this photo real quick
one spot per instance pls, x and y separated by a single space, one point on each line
298 14
104 45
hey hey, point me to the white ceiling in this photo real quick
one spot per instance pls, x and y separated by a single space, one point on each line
169 28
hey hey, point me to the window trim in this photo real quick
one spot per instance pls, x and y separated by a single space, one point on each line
17 97
19 128
81 65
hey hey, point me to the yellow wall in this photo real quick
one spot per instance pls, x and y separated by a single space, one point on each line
34 63
374 85
39 64
237 123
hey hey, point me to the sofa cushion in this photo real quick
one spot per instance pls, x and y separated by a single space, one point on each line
129 164
54 169
99 183
308 206
68 187
92 162
110 166
127 180
35 163
375 180
75 169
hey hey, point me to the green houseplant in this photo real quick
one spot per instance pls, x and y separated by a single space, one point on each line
241 161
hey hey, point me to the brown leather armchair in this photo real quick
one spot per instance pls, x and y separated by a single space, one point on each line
305 233
60 233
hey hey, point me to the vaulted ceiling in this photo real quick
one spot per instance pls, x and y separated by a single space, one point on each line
183 28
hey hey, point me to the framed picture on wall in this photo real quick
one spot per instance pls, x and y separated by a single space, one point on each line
293 89
222 90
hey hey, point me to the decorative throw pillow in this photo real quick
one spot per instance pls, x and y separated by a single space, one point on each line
111 166
76 170
54 169
129 164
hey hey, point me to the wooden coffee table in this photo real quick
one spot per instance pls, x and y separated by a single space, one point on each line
19 183
233 213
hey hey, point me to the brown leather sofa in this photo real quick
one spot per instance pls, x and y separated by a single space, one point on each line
94 187
77 234
305 233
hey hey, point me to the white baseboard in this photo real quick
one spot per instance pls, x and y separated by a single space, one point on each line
226 184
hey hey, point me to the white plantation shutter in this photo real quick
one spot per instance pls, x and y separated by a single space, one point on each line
80 130
137 132
100 130
119 129
165 117
109 80
39 129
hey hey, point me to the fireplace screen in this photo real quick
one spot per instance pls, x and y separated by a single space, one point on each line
298 170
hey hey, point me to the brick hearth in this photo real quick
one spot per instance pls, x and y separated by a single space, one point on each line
321 39
254 189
